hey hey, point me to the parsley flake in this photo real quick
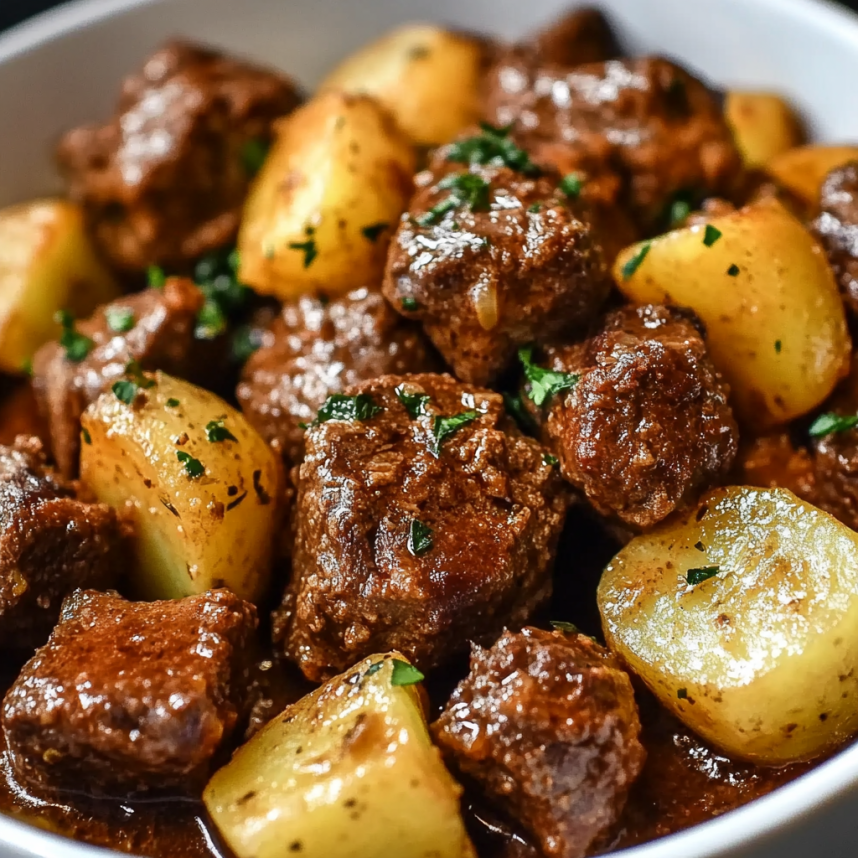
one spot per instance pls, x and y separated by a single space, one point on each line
405 674
466 189
544 383
778 346
193 467
371 233
216 431
308 248
172 403
410 305
493 147
211 321
338 406
634 263
562 626
86 436
77 345
155 277
733 270
217 276
828 424
419 538
518 411
119 319
711 234
680 209
444 427
374 668
534 207
550 460
415 403
571 186
125 391
245 341
704 573
682 694
253 155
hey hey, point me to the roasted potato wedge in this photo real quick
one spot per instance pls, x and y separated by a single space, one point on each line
763 124
802 171
47 263
760 655
764 289
428 77
347 772
322 210
203 488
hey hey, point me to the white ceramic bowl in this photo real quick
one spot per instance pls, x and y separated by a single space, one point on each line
64 68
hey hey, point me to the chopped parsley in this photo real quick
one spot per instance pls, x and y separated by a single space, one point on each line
466 189
77 345
86 436
338 406
778 346
562 626
571 186
544 383
216 274
680 209
125 391
550 460
253 155
518 411
211 321
828 424
172 403
405 674
27 367
374 668
711 234
245 341
308 248
155 277
493 147
410 305
216 431
372 232
534 207
419 538
682 694
634 263
444 427
704 573
415 403
119 319
733 270
193 467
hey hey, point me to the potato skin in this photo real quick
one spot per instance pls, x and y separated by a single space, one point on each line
763 124
762 658
193 534
776 326
321 212
347 771
427 77
803 170
47 263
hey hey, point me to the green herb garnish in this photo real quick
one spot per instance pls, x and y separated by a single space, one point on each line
680 209
217 276
711 234
405 674
518 411
308 248
86 436
829 424
419 538
253 155
544 383
77 345
172 403
193 467
338 406
778 346
156 277
372 232
550 460
245 341
216 432
119 319
466 189
571 186
534 207
562 626
733 270
410 305
374 668
635 262
211 321
125 391
444 427
414 403
493 147
704 573
682 694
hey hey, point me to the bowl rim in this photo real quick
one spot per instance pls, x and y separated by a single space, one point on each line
780 810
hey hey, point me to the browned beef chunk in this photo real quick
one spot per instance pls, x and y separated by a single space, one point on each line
837 229
547 726
638 132
581 36
316 348
130 696
50 544
161 336
420 526
163 182
648 423
518 262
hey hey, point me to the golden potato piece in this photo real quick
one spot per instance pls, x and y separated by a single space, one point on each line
763 124
47 264
428 77
742 618
203 488
322 210
347 772
763 287
802 171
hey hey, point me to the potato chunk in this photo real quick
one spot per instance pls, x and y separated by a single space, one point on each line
764 125
426 76
322 210
46 264
742 617
764 289
347 772
803 170
204 488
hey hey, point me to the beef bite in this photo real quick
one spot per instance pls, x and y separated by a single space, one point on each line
128 697
493 254
50 544
424 519
316 348
638 132
580 36
547 727
156 328
647 424
163 181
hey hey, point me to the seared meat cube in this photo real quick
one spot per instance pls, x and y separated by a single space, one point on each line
581 36
163 182
637 131
131 696
648 424
155 328
547 726
316 348
837 228
516 263
424 520
50 544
